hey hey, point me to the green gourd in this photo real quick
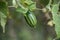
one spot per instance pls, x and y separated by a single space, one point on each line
30 19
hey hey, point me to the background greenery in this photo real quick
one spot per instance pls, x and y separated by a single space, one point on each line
14 27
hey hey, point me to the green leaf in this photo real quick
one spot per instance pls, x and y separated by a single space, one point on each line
56 18
49 4
3 7
3 14
28 2
3 20
55 8
14 3
21 10
32 7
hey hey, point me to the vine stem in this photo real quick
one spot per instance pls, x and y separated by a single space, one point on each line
38 9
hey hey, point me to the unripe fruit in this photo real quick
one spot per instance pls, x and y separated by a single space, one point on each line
30 19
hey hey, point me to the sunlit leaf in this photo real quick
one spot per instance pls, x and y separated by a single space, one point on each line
56 19
14 3
28 2
48 5
3 20
32 7
3 15
21 10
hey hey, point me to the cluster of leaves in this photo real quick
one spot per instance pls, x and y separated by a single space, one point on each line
21 6
3 14
56 16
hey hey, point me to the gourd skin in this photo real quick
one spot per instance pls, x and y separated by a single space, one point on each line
30 19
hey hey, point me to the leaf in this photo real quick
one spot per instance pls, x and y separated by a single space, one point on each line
48 5
56 18
21 10
28 2
3 21
3 7
3 15
32 7
14 3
